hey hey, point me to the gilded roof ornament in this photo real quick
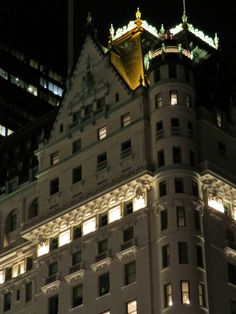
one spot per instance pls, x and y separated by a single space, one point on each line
138 14
184 17
89 18
112 31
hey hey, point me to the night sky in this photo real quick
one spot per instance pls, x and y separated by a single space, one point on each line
39 28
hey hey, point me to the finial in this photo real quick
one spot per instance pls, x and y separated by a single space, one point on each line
138 14
216 41
112 32
162 30
89 18
184 17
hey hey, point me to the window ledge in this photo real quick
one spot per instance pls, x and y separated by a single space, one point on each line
77 275
76 308
101 264
127 253
51 288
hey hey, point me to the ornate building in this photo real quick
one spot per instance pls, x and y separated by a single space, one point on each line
132 206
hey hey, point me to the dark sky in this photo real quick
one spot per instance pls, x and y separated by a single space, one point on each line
39 27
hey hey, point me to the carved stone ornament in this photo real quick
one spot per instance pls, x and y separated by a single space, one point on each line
78 275
52 288
101 265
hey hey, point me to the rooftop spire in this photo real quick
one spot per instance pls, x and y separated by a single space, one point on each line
184 17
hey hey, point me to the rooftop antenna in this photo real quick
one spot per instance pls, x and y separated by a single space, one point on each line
184 17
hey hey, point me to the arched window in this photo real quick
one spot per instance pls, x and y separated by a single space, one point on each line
33 209
11 221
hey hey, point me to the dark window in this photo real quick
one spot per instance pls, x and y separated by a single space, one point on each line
190 125
53 243
61 128
52 269
230 235
29 263
201 295
232 273
130 272
128 207
54 186
197 220
102 246
53 305
161 158
172 71
183 252
77 174
117 97
162 188
165 256
101 103
181 217
8 273
7 302
17 294
175 123
88 109
77 232
188 101
164 219
126 149
76 146
233 306
221 149
33 209
101 161
11 223
167 295
157 74
159 129
103 220
28 291
128 234
104 284
77 295
179 185
176 153
192 158
76 257
195 188
199 255
158 101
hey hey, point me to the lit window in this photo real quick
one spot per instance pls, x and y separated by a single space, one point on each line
114 214
201 294
89 226
173 97
139 202
102 133
2 130
125 119
18 269
219 120
54 158
1 276
43 248
56 90
185 296
64 237
3 74
168 295
158 101
132 307
106 312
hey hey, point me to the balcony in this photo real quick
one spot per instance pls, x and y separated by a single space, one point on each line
102 260
127 249
76 272
52 285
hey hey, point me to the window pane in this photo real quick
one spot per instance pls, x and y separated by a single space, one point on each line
183 252
181 219
104 285
173 97
185 297
130 273
168 295
132 307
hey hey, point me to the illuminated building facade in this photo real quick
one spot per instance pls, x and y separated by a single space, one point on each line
133 206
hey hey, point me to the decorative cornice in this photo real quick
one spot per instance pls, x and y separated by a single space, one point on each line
101 265
52 288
